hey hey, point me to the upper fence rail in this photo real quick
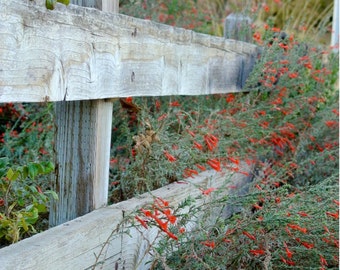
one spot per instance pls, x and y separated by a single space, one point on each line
77 53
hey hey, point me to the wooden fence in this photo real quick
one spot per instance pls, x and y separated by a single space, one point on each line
81 58
77 244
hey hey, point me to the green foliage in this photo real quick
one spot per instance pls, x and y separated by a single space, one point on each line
26 140
22 201
285 124
50 4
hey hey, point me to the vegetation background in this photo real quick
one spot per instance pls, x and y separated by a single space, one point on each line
285 124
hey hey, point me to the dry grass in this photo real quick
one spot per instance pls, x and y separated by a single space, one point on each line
306 19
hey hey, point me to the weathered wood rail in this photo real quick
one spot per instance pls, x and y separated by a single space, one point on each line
75 244
81 58
76 53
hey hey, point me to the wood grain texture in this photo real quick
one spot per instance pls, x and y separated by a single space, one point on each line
76 53
73 245
83 143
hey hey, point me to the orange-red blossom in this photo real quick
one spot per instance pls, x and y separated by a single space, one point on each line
161 214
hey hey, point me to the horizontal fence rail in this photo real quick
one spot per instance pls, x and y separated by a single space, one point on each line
77 53
75 244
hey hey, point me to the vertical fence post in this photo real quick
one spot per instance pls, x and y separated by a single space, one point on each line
335 27
237 26
83 138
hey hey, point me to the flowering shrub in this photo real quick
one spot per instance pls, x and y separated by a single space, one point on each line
286 125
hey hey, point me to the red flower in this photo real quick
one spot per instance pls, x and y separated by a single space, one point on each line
171 235
142 222
335 111
331 124
308 65
189 172
307 245
264 124
257 252
284 62
202 168
191 133
257 37
147 213
175 104
230 98
198 145
128 99
266 8
288 251
162 117
234 160
257 207
297 227
210 244
303 214
277 101
211 141
162 225
288 262
323 261
208 191
334 215
172 219
326 229
250 236
215 164
159 200
182 230
170 157
276 29
293 75
162 17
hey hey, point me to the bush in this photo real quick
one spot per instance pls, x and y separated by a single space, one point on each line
22 201
285 124
25 166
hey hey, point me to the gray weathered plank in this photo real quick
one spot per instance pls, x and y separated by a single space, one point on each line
82 145
73 245
76 53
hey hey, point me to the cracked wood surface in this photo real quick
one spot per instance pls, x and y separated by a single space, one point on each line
77 53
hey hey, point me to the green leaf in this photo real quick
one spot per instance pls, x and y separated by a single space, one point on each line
3 165
48 167
10 208
31 216
50 4
41 208
4 162
12 175
52 193
65 2
24 172
34 169
23 224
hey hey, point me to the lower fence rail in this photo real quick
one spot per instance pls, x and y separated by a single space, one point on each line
97 240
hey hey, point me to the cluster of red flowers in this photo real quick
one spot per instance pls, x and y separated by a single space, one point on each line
161 215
